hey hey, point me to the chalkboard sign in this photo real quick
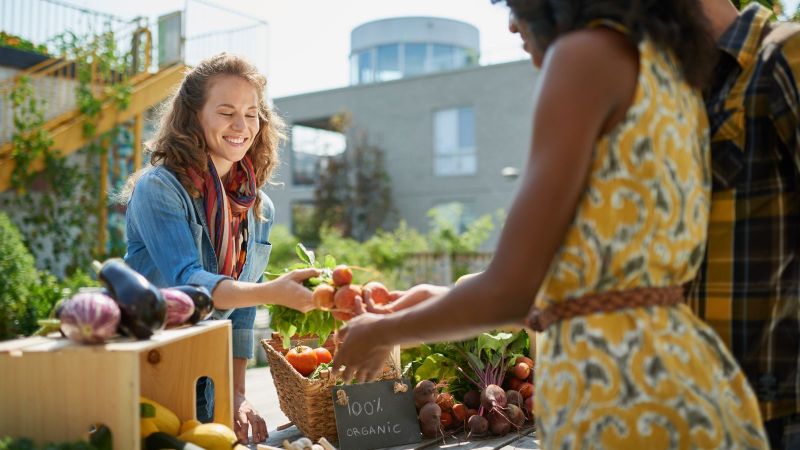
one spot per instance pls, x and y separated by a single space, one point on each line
375 415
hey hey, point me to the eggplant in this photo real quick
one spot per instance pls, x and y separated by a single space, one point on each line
143 309
203 304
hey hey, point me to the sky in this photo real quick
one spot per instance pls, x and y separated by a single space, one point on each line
309 40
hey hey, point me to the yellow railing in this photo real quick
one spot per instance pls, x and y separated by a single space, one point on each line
54 81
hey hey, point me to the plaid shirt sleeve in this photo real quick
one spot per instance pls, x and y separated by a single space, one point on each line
748 288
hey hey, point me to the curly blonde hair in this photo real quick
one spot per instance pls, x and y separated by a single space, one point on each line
179 143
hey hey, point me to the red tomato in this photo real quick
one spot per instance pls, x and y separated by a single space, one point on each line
303 359
323 355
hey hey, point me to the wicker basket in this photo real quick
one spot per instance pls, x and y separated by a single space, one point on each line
308 403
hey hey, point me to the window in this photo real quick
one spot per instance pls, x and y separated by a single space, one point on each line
454 142
309 145
414 58
443 57
388 63
365 67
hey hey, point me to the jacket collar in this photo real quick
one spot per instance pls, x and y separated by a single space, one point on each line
743 38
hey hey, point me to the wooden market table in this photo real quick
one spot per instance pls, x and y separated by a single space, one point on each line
523 439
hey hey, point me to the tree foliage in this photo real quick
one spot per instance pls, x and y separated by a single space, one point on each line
353 193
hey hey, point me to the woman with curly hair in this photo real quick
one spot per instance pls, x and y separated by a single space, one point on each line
608 223
198 215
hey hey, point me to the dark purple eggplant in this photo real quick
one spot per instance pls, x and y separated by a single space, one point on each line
142 306
203 304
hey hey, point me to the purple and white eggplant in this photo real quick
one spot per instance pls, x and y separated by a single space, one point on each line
89 318
180 307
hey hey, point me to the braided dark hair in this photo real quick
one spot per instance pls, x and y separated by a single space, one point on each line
678 25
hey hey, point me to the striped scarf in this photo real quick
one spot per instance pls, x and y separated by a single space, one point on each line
226 214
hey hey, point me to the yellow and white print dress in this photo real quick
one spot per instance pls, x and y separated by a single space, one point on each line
645 378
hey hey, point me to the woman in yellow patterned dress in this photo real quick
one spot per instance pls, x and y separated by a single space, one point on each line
609 221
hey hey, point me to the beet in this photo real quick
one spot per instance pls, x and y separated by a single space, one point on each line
472 399
478 425
493 396
180 307
424 392
513 398
516 416
499 424
430 419
89 318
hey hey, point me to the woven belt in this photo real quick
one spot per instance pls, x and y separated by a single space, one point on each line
541 319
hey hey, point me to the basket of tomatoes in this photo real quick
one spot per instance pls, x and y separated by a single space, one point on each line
300 365
304 380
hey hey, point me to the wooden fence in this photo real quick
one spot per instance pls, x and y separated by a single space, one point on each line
442 269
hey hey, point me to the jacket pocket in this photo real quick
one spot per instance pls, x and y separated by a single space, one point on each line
256 263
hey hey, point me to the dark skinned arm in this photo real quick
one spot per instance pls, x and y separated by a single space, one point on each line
588 80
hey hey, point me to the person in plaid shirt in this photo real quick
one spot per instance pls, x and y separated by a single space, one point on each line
748 288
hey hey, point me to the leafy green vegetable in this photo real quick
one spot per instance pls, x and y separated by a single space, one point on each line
460 365
289 322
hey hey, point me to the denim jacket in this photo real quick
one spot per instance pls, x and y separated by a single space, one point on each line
169 243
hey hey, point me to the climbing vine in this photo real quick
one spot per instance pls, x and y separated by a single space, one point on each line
57 208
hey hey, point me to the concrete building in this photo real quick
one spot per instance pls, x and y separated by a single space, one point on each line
447 126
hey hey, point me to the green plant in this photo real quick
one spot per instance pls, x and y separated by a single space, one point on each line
19 274
58 207
10 40
28 295
283 245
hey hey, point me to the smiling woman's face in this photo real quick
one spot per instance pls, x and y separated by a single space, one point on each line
229 120
528 42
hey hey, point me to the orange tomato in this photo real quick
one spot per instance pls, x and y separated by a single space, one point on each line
323 355
303 359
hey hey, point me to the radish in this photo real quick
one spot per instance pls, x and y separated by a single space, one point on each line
460 412
478 425
526 389
446 420
493 398
430 419
424 392
445 401
499 424
323 297
521 370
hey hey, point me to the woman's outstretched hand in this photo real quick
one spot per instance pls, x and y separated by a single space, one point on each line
290 292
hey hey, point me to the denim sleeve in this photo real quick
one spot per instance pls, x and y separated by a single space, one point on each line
243 321
161 218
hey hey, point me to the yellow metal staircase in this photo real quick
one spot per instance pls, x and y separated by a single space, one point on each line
66 130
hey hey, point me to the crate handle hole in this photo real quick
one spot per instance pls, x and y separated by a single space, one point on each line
204 399
100 436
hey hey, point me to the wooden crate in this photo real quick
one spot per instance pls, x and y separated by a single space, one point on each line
52 389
